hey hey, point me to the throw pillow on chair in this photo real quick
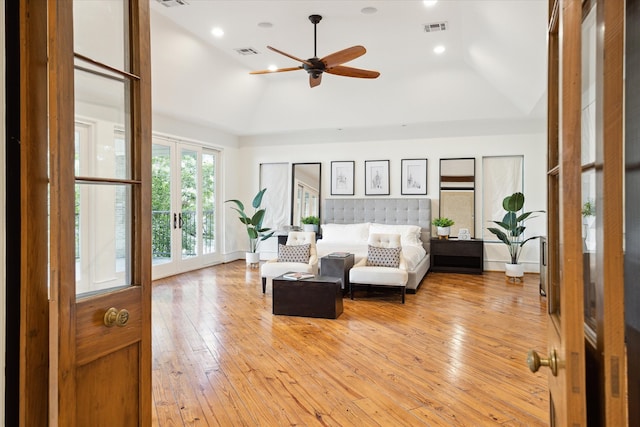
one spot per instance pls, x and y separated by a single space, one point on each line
294 253
383 257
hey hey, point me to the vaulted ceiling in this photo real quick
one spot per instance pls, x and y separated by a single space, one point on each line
492 71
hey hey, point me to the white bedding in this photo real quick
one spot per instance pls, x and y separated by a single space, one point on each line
411 254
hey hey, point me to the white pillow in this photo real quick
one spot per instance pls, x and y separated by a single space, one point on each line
350 233
409 234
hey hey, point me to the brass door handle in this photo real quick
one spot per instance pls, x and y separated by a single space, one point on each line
535 361
116 317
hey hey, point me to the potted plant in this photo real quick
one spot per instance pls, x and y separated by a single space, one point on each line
310 223
588 221
253 225
444 226
511 232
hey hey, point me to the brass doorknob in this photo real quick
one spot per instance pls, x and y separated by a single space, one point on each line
116 317
535 361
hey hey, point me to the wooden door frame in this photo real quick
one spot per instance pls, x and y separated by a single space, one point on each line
46 40
610 286
34 298
632 172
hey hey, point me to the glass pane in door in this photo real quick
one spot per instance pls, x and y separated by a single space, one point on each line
589 246
108 19
589 137
187 217
161 218
103 236
208 202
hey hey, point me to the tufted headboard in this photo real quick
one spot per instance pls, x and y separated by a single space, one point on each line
408 211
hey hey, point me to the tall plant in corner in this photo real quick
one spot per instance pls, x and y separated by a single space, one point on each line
511 231
253 223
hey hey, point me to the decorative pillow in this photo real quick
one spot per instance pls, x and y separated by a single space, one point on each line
383 257
294 253
409 234
349 233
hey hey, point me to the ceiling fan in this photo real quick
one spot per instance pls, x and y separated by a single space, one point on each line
331 64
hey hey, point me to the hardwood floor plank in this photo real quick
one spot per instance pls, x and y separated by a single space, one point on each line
453 355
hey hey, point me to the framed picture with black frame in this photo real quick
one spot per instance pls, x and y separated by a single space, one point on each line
342 176
376 177
413 176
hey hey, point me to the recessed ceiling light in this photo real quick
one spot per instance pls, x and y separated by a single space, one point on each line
368 10
430 3
272 67
439 49
217 32
265 24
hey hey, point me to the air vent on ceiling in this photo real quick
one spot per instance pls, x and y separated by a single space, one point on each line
247 51
171 3
436 26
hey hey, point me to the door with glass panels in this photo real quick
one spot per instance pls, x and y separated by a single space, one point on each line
100 187
585 356
183 207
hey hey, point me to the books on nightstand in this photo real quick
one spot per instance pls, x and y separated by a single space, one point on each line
339 254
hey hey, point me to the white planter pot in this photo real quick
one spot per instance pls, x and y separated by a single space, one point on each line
310 227
515 271
444 232
253 258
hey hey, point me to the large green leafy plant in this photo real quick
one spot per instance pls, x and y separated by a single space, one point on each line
511 231
253 223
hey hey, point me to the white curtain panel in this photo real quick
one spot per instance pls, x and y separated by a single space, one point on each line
501 176
275 178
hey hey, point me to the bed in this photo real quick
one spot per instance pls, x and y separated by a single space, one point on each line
346 224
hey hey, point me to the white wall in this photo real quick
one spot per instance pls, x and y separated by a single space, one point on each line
531 145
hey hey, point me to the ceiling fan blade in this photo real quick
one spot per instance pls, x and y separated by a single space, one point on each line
279 70
304 61
315 81
344 55
341 70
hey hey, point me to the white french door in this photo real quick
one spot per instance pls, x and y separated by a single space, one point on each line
184 227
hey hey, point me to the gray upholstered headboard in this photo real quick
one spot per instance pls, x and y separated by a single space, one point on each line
411 211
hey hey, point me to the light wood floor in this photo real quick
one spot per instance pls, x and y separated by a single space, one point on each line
453 355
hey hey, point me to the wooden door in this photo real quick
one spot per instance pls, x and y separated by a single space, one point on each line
585 352
100 350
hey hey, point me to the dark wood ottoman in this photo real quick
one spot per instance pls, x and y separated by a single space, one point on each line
320 296
338 266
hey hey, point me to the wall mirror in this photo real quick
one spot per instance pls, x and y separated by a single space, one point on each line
305 191
457 193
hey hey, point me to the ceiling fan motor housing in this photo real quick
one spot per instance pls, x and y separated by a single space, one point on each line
317 67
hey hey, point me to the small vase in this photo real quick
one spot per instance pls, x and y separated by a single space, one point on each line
443 232
514 272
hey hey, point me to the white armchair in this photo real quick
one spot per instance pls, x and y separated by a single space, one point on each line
289 258
384 265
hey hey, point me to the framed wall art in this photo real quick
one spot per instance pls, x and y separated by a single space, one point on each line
342 174
413 176
376 177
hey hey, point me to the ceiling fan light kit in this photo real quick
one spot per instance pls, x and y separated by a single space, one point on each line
331 64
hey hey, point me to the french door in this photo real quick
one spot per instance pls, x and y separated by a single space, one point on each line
586 350
92 61
183 213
